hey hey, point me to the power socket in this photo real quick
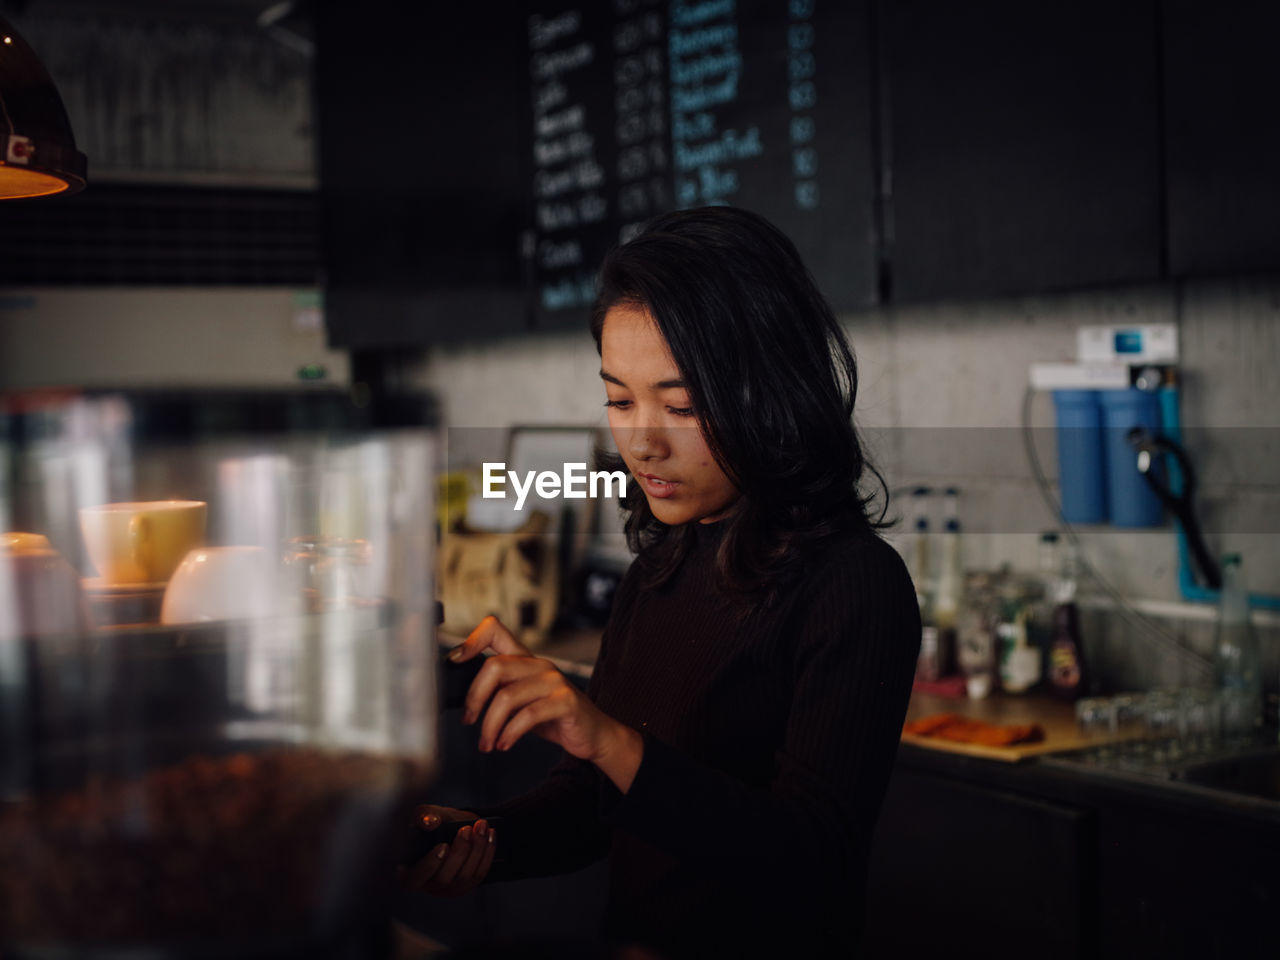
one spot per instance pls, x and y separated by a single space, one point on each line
1128 343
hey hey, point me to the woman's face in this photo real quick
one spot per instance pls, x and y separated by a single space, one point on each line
653 422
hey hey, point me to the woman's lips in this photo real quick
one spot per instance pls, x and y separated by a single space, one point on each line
656 486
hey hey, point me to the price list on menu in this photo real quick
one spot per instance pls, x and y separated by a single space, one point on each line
643 106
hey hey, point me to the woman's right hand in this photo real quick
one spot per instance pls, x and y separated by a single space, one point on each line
451 869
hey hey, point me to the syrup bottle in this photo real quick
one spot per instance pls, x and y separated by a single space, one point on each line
1067 676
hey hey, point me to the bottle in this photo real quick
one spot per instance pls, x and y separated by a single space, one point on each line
1019 662
918 553
1066 668
1237 663
948 591
976 635
927 665
1040 594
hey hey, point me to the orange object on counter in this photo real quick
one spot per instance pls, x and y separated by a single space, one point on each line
952 726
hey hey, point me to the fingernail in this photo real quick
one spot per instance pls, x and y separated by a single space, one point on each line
492 834
502 745
442 851
455 654
464 833
430 820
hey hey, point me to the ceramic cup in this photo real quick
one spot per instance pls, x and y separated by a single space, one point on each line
226 583
39 591
143 541
16 541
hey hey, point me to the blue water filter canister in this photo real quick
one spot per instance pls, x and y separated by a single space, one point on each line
1132 502
1081 459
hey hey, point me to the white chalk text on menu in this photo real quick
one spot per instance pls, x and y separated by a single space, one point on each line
644 106
640 101
569 178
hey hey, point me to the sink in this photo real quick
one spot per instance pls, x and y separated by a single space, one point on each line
1251 770
1255 773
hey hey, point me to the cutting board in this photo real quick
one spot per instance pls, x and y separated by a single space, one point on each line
1057 719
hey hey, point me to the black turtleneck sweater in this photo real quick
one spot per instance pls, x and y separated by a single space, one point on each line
767 748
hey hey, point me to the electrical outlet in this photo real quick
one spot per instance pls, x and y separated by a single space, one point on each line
1132 344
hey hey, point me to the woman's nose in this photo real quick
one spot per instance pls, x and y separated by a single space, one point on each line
647 442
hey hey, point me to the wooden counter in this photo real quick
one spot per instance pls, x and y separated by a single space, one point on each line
1057 719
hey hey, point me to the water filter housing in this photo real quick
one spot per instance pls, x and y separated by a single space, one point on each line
1081 463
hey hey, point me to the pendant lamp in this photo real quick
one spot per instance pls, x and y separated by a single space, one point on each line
38 155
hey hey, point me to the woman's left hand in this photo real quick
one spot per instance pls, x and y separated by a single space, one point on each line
526 694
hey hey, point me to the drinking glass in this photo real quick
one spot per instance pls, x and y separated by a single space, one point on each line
1095 717
1130 718
1163 722
1202 721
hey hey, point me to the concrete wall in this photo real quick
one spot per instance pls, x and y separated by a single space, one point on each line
941 403
941 397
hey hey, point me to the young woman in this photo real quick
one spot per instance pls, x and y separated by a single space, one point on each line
732 749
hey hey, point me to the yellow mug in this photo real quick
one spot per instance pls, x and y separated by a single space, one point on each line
143 541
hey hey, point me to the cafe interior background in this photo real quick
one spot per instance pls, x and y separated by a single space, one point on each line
1139 193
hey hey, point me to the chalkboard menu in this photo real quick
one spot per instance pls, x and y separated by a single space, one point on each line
527 139
642 106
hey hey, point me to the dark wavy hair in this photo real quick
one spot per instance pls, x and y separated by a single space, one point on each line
772 381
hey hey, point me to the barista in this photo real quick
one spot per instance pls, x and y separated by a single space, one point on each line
731 752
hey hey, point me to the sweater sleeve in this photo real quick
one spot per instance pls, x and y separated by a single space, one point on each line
556 826
855 649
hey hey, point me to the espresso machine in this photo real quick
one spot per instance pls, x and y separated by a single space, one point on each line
218 695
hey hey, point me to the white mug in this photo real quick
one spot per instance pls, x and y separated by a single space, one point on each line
39 591
226 583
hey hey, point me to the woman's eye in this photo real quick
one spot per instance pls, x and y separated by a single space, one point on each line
619 404
681 411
